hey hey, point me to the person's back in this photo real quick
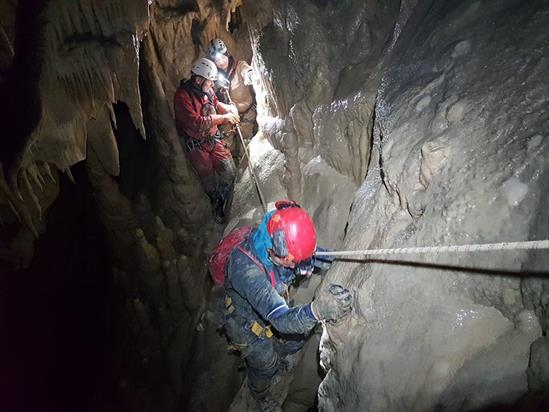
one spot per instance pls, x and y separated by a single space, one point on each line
240 86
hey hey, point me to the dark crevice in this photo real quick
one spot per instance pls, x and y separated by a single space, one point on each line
77 39
179 10
371 134
381 171
236 20
196 29
20 86
137 170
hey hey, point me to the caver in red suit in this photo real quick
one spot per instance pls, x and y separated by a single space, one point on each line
197 115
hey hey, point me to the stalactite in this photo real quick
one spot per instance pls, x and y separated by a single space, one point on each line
34 172
30 191
89 45
148 258
47 168
101 138
172 285
164 240
68 172
143 316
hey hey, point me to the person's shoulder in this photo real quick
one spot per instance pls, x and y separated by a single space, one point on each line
181 89
183 86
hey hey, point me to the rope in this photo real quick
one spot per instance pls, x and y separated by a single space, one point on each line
526 245
250 167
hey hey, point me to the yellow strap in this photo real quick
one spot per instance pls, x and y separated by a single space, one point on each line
229 307
257 329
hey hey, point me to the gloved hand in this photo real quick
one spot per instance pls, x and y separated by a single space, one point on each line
231 118
305 268
248 77
222 83
332 303
323 262
232 109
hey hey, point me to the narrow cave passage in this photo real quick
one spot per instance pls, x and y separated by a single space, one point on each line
393 124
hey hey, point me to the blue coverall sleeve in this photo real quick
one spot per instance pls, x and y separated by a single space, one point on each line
252 284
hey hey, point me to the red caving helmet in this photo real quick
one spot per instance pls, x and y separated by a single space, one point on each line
292 231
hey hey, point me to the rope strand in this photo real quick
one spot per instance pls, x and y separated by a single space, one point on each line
526 245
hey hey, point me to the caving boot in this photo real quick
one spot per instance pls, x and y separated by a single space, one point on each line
268 404
287 364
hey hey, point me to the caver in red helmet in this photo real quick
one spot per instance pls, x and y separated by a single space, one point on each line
292 231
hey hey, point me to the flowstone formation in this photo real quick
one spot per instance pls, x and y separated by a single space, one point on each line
105 75
460 156
436 113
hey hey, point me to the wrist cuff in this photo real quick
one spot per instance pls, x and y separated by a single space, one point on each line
309 309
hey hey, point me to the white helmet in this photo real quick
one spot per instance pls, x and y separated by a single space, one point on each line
205 68
215 48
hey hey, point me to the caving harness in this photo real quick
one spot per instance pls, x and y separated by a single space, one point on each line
207 108
255 327
203 144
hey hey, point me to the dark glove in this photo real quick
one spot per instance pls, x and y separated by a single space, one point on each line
332 303
305 268
323 262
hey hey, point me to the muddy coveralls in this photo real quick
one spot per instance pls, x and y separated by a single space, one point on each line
206 150
258 321
241 92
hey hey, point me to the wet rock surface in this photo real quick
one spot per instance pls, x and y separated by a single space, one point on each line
457 107
395 123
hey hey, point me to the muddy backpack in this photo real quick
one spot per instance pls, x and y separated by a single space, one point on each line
220 255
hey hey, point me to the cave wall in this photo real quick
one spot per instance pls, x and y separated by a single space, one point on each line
106 75
394 123
445 102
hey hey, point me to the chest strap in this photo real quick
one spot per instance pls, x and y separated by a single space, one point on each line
258 263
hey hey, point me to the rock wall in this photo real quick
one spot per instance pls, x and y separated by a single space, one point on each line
106 73
446 104
459 158
394 123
